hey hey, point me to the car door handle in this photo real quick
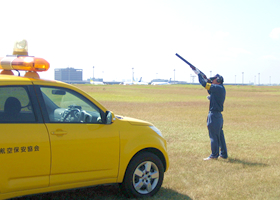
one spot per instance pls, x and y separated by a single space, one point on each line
59 132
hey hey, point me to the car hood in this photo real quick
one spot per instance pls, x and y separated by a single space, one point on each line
134 121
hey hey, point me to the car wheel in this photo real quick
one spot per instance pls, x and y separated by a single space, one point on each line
144 176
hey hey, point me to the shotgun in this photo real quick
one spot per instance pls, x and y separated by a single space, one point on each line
196 70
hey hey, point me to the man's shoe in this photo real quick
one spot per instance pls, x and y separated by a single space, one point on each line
222 157
210 158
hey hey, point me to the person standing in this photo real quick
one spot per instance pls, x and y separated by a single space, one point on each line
217 95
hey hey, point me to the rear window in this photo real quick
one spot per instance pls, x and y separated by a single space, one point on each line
15 105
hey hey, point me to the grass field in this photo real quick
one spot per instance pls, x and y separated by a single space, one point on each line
252 132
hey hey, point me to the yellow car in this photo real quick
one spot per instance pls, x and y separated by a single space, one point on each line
56 137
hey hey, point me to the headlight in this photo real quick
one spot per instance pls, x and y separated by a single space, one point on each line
156 130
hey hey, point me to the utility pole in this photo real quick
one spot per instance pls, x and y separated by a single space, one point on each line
193 78
93 73
132 74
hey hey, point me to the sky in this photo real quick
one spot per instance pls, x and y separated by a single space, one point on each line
118 39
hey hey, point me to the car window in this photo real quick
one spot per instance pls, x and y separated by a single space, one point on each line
15 105
67 106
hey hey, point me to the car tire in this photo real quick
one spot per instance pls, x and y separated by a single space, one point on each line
144 176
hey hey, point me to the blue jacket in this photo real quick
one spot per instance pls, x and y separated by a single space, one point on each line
217 95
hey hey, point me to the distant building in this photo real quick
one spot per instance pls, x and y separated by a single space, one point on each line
68 75
98 79
159 80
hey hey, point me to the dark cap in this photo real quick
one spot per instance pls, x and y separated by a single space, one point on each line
219 78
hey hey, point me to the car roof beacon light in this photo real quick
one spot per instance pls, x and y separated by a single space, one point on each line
21 61
21 48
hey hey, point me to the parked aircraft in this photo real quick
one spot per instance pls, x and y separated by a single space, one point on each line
140 82
161 82
135 82
96 82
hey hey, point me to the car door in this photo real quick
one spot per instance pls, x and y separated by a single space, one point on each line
83 147
24 141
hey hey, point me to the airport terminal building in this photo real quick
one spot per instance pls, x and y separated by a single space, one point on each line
69 75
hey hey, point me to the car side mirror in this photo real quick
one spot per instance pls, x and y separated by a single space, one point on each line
109 117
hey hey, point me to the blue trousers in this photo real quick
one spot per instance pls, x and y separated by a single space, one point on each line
215 127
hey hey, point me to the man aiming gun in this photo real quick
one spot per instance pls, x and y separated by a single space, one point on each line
217 92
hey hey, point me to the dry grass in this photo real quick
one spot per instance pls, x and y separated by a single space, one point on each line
251 125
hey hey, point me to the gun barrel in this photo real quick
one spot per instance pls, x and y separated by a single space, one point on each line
192 66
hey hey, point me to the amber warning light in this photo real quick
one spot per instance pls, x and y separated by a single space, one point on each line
21 61
24 63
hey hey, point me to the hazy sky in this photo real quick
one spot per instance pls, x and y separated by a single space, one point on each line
114 36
